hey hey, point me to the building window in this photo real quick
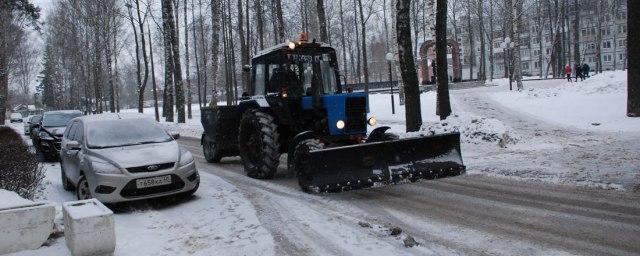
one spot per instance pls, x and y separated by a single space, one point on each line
525 65
607 58
621 43
536 52
606 44
536 64
621 56
584 32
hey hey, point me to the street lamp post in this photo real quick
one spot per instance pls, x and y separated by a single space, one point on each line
393 104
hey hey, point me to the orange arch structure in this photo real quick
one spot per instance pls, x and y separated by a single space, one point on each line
427 52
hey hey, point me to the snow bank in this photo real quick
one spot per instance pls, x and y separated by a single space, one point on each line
9 199
598 103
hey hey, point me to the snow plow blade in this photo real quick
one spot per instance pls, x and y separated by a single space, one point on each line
384 163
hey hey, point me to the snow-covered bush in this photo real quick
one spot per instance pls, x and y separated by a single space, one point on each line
473 129
19 168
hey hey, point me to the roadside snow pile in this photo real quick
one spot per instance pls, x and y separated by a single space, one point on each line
9 199
473 129
597 103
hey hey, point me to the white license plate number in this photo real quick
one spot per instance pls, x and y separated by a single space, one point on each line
153 182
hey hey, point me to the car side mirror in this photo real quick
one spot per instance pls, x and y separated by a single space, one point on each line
246 68
175 136
73 145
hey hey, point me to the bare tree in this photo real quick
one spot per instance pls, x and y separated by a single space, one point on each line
153 76
216 15
407 65
167 23
633 58
186 57
443 104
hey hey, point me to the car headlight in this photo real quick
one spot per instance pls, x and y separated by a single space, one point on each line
44 135
105 168
372 121
185 157
340 124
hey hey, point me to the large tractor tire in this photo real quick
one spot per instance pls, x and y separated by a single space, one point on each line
259 144
211 151
301 163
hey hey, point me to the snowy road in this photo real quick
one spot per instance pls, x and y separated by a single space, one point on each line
472 214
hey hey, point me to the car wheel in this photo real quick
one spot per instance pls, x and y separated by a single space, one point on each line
82 190
66 184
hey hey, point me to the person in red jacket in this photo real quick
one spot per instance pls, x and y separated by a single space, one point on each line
567 71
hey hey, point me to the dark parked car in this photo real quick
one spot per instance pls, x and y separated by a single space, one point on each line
30 125
50 130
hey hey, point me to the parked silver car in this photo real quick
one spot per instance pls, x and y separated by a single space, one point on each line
16 118
117 158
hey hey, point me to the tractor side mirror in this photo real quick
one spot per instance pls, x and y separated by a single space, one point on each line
175 136
246 68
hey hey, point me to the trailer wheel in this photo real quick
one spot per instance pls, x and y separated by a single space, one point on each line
259 144
301 164
211 151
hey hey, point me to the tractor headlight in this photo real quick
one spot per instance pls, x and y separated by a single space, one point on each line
292 45
372 121
340 124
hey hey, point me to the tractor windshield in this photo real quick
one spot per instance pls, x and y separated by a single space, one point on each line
310 69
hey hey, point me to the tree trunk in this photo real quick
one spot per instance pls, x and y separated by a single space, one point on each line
482 72
244 49
343 43
491 70
365 65
576 33
143 85
280 37
153 76
413 114
186 59
138 71
472 50
443 104
322 21
177 69
168 62
517 70
260 23
215 44
195 51
633 58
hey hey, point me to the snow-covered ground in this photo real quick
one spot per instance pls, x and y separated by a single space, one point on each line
595 104
218 220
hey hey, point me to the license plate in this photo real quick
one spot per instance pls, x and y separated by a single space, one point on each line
153 182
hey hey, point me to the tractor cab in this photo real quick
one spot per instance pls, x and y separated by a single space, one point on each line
300 81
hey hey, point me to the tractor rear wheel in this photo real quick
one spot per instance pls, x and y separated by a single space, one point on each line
301 164
211 151
259 144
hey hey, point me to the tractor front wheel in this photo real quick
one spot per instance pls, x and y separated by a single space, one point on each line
259 144
211 151
301 164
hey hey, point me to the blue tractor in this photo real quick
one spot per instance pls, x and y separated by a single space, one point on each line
296 105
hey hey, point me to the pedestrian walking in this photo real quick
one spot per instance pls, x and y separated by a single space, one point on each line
585 70
578 68
567 71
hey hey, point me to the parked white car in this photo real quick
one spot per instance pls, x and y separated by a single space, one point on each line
117 157
16 118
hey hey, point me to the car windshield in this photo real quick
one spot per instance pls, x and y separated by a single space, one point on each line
124 132
16 115
58 119
36 119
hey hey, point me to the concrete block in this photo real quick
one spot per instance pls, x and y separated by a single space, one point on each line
89 228
25 227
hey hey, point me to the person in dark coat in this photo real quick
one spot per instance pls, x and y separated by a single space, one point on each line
585 70
578 68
